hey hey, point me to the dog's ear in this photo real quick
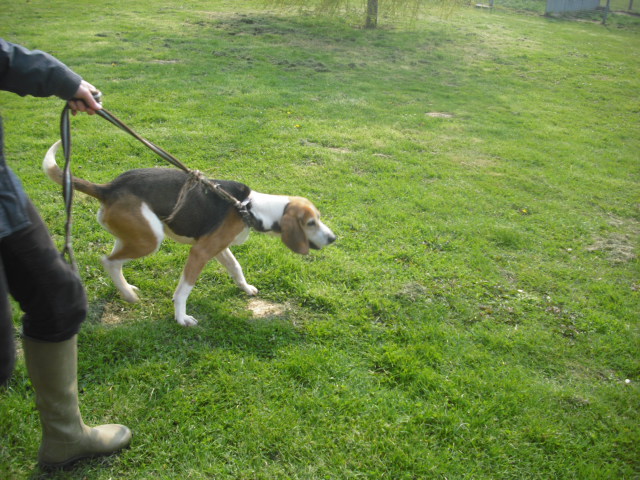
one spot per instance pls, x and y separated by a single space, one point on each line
292 234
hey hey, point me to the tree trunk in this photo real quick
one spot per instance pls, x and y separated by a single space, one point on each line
372 14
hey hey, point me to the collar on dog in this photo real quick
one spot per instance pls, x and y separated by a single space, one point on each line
249 218
243 208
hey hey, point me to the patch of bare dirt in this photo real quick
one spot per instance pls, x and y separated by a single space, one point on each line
440 115
618 247
263 309
330 148
112 314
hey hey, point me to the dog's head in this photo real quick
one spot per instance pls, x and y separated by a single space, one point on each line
302 229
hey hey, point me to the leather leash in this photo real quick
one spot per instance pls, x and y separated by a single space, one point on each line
194 176
67 186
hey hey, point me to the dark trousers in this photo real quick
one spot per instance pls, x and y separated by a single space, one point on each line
49 293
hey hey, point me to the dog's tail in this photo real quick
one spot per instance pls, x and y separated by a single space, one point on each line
54 172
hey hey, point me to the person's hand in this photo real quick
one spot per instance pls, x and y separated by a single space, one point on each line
83 100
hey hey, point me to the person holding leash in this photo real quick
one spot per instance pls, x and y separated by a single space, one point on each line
49 292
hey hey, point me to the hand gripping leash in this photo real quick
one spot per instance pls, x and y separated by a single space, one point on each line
194 176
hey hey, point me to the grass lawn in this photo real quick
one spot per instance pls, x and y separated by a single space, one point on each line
477 317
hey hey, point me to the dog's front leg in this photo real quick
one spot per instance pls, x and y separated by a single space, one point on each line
198 258
180 303
202 251
228 260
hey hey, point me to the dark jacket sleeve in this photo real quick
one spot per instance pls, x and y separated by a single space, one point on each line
33 72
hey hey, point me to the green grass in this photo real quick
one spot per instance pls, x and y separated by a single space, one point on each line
478 315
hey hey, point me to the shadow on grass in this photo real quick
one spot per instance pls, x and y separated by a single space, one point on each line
161 338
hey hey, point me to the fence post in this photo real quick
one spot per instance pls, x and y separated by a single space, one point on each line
606 12
371 20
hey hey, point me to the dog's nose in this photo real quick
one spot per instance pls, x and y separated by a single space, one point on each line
331 239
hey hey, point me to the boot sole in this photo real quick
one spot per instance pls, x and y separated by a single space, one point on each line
69 463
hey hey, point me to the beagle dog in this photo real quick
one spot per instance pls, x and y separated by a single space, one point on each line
138 209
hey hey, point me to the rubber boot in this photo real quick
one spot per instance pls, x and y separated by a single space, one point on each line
52 368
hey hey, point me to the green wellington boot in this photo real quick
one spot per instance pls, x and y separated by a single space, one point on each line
53 368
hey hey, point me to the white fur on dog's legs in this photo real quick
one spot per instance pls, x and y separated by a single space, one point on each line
180 304
114 269
229 262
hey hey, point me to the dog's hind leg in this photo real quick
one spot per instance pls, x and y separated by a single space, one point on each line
138 232
114 269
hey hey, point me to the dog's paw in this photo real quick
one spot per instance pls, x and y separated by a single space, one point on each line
250 290
130 294
187 321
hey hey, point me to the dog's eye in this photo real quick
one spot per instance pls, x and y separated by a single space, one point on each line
311 223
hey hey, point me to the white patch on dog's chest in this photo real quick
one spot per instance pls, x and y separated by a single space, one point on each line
242 237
